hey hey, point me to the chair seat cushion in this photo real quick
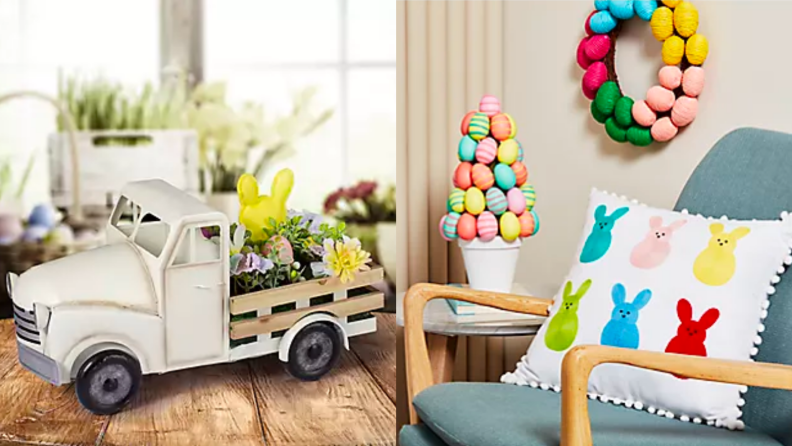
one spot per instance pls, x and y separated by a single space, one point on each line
419 435
474 414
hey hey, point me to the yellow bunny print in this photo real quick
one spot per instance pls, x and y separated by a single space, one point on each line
716 264
255 211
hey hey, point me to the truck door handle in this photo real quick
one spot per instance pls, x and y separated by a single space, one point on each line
206 287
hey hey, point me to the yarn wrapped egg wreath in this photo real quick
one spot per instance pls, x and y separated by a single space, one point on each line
668 106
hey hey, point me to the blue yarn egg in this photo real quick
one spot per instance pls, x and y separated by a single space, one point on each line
645 8
622 9
467 148
601 5
42 215
602 22
504 176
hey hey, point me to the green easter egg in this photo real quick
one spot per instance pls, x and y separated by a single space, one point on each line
456 201
607 96
598 115
639 136
615 131
623 111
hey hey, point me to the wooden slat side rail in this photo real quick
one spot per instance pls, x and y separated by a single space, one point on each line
282 321
305 290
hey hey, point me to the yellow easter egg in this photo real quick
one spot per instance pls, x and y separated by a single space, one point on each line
671 3
475 201
662 23
508 151
696 49
686 19
509 226
673 50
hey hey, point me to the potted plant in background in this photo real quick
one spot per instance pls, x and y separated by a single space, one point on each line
234 141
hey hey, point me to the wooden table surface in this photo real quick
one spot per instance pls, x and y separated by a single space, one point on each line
251 402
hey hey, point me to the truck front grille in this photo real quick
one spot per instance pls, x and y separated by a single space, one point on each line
25 322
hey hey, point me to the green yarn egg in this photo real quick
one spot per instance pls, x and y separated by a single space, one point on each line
639 136
615 131
623 111
606 98
598 115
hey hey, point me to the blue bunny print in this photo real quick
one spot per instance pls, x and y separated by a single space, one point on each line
622 329
599 241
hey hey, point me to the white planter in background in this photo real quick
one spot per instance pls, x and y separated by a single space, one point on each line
386 248
490 265
225 202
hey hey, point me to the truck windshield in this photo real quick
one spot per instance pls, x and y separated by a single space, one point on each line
142 228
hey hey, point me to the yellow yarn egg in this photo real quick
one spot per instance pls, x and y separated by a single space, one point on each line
671 3
673 50
697 49
662 23
686 19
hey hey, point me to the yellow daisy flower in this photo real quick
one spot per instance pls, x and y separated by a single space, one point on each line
343 258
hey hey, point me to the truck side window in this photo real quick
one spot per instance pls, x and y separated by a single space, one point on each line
198 245
125 216
152 234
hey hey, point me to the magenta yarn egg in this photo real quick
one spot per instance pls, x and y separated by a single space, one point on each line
516 200
670 76
642 114
582 59
587 26
598 46
487 226
693 81
663 129
486 150
660 99
684 111
595 76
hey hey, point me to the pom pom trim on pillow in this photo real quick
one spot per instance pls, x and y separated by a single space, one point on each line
737 424
667 107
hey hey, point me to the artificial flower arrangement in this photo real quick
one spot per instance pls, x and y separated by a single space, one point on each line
362 203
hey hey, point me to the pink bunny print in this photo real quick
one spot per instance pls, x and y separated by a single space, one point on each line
655 247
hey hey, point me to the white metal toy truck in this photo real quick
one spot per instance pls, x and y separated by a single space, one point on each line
156 299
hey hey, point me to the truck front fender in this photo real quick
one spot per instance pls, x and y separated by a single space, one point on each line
288 337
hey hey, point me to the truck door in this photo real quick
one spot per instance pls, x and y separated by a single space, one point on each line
195 296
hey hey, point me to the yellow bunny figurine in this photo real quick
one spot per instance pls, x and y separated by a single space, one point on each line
255 211
716 264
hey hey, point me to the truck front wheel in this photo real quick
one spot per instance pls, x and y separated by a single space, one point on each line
314 351
107 381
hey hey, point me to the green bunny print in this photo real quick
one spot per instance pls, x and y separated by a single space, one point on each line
563 328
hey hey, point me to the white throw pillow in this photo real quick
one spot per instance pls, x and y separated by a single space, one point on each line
662 281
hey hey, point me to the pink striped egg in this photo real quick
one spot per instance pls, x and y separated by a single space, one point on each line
486 150
489 105
482 176
496 201
516 201
487 226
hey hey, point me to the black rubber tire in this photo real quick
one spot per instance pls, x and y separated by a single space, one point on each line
314 351
107 382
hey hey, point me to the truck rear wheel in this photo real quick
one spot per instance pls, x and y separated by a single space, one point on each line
107 382
314 351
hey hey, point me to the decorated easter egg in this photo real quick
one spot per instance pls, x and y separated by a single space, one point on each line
520 152
463 178
280 247
467 148
503 127
466 122
693 81
504 176
456 200
486 150
479 126
482 176
449 225
489 105
474 201
35 233
520 172
526 224
536 221
42 215
466 227
508 151
10 229
530 196
509 226
496 201
441 230
516 201
487 225
62 235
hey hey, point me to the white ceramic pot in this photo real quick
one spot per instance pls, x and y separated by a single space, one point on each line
225 202
386 248
490 265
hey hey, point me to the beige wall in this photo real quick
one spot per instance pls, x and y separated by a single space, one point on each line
749 83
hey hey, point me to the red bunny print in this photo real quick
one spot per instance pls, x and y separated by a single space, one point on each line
691 334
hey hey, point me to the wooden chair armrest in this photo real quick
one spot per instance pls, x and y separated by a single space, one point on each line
579 361
419 370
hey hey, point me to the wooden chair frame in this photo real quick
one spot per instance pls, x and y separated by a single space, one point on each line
578 362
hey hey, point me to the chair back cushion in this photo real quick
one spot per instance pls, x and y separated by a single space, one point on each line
747 175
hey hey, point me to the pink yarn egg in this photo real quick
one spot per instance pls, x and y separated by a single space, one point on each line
598 46
466 227
442 232
684 111
587 26
660 99
487 226
486 150
516 200
582 59
693 81
663 130
489 105
482 176
595 76
670 76
642 114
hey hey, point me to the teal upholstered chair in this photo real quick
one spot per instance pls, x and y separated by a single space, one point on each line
748 174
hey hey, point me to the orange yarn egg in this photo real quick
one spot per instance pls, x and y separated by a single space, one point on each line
684 111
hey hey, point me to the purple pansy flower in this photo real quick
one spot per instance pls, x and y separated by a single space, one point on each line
248 263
